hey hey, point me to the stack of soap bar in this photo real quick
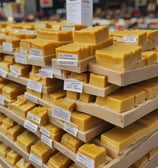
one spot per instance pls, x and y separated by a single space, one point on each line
94 152
42 151
98 80
149 57
26 139
12 157
23 164
6 62
12 90
84 121
72 95
84 77
71 142
59 160
119 56
4 149
87 98
38 115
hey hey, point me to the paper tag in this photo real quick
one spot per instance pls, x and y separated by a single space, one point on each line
45 73
2 99
7 46
67 56
36 52
14 74
73 85
33 117
47 140
118 39
65 62
35 159
67 28
40 26
89 163
61 114
130 39
3 73
20 58
45 131
34 57
71 129
56 71
36 86
22 50
27 31
15 69
32 98
30 126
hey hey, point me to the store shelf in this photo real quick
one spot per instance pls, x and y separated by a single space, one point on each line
126 78
4 163
153 162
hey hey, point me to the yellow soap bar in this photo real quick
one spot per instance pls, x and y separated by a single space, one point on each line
72 166
25 45
65 104
84 121
38 115
98 80
42 151
34 93
58 161
152 152
149 57
2 85
72 95
84 77
94 152
13 132
4 150
12 157
141 162
2 117
91 34
9 122
23 164
26 139
12 90
50 34
87 98
14 41
71 142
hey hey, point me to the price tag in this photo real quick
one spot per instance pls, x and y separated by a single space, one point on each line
15 69
65 62
3 73
71 129
68 28
36 52
56 71
36 86
118 39
40 26
47 140
22 50
45 131
73 85
45 73
33 117
7 46
34 57
67 56
130 39
35 159
31 98
15 75
89 163
30 126
61 114
2 35
2 99
20 58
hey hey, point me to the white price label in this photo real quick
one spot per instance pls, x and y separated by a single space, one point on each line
73 85
20 58
36 86
47 140
30 126
27 31
36 52
130 39
65 62
45 131
15 69
3 73
33 117
61 114
40 26
22 50
35 159
45 73
34 57
71 129
2 99
7 46
14 74
68 56
31 98
67 28
89 163
118 39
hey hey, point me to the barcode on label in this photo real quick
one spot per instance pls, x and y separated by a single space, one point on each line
33 117
47 140
45 131
61 114
3 73
34 86
35 159
65 62
30 126
70 129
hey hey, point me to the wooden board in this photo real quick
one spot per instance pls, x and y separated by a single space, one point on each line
4 163
153 162
82 65
126 78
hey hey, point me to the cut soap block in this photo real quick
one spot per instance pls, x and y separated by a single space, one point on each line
12 157
23 164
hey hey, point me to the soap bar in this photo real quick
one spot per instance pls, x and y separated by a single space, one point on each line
94 152
84 121
8 58
91 34
34 93
98 80
59 161
84 77
72 95
149 57
71 142
23 164
9 122
26 139
4 150
141 162
87 98
12 157
14 41
42 151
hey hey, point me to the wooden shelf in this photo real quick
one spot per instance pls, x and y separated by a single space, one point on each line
4 163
